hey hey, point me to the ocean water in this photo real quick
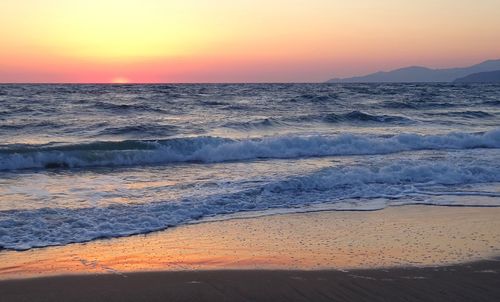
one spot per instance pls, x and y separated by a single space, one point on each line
84 162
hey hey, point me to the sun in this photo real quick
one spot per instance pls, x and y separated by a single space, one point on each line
120 80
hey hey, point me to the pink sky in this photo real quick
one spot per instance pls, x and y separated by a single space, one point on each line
239 40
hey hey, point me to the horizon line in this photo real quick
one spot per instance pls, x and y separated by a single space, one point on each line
220 83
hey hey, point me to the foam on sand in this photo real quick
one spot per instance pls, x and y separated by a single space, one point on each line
416 182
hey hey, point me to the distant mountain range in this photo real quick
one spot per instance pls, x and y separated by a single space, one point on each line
424 74
481 77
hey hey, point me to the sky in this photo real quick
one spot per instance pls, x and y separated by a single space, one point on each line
142 41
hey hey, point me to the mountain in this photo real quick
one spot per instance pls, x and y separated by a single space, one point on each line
481 77
421 74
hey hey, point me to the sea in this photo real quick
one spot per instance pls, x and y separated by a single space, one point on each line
87 162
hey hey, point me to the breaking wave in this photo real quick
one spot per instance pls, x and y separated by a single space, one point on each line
332 188
216 149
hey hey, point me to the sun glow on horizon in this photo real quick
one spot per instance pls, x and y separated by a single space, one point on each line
120 80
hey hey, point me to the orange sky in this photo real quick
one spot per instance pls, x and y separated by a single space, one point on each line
238 40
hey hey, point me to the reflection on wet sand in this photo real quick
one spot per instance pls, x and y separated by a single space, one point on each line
396 236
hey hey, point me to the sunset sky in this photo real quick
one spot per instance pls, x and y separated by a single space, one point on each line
238 40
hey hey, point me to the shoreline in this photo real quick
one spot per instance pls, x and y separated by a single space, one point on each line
477 281
403 236
230 217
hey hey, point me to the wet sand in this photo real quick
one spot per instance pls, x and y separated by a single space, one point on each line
409 253
397 236
469 282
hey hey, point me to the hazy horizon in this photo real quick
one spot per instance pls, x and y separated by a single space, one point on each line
228 82
238 41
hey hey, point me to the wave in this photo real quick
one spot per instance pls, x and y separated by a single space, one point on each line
120 108
256 124
316 98
418 102
141 129
472 114
399 105
214 103
358 116
491 102
33 125
113 106
344 187
331 118
215 149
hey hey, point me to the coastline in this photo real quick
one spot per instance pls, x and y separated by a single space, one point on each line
404 236
407 253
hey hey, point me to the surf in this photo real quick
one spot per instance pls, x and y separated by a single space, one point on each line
209 149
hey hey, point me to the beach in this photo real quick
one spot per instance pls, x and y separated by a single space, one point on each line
472 282
406 253
277 192
249 151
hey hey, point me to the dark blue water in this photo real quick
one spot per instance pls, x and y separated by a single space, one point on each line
82 162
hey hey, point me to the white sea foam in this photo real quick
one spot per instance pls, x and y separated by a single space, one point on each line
344 187
214 149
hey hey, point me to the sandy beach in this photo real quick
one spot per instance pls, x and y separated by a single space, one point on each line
405 253
472 282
